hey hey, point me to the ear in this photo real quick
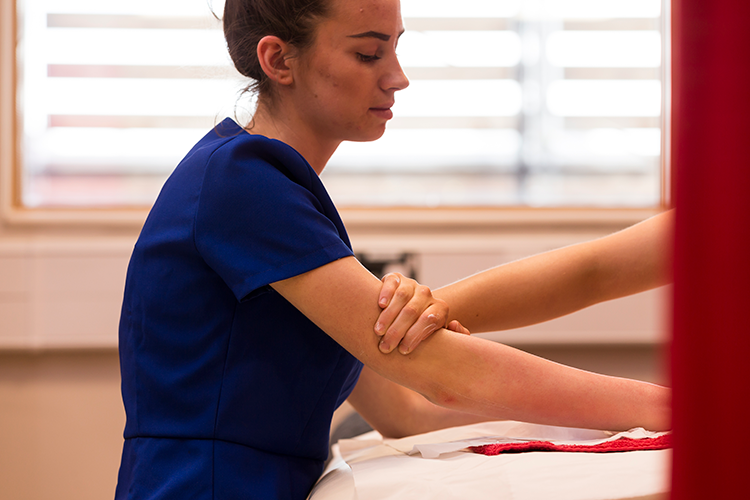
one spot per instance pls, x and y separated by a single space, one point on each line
272 54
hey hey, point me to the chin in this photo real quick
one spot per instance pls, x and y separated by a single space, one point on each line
368 136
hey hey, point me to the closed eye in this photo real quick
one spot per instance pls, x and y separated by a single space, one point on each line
367 58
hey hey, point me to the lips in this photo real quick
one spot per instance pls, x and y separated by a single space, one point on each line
383 111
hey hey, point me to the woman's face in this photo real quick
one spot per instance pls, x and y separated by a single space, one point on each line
347 79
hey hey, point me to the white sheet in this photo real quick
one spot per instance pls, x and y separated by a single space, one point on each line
373 468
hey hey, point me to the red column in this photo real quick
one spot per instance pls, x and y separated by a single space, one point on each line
711 159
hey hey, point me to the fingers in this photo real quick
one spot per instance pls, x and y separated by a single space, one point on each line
410 314
395 293
428 323
391 281
416 321
457 327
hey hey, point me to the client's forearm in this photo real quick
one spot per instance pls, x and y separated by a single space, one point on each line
489 379
559 282
395 411
522 293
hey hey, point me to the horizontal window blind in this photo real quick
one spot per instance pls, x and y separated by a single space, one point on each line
525 102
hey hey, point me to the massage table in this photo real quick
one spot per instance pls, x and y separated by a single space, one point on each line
440 466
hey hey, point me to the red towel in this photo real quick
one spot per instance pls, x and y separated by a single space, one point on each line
618 445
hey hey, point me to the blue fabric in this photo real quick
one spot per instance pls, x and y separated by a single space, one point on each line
228 389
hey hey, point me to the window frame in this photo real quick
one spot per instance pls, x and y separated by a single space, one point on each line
367 220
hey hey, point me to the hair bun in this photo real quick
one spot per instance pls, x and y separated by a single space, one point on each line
246 22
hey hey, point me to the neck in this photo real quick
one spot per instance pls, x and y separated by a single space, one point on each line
277 123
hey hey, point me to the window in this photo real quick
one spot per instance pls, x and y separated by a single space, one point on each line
511 102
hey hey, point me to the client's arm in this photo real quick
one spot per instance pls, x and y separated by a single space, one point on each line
395 411
469 374
562 281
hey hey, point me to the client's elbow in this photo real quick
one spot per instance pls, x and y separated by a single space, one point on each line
441 396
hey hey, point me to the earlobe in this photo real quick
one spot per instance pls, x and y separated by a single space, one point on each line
272 54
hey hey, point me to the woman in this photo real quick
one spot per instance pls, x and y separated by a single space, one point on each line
246 319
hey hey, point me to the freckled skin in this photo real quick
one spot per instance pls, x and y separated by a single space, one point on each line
338 88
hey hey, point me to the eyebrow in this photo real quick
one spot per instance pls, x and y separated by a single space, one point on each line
374 34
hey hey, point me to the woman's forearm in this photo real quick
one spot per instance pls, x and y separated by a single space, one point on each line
562 281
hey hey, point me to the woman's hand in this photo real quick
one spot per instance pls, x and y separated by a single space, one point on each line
410 314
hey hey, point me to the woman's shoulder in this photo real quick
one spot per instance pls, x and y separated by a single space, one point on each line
227 137
231 136
233 151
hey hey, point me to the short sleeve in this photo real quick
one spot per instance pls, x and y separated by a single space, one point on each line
264 216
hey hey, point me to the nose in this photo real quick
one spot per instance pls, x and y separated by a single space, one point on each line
394 78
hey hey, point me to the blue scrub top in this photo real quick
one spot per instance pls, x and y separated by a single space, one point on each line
228 389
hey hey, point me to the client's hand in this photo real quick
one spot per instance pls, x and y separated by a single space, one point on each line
410 314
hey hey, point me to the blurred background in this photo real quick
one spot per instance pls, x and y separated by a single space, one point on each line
528 125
